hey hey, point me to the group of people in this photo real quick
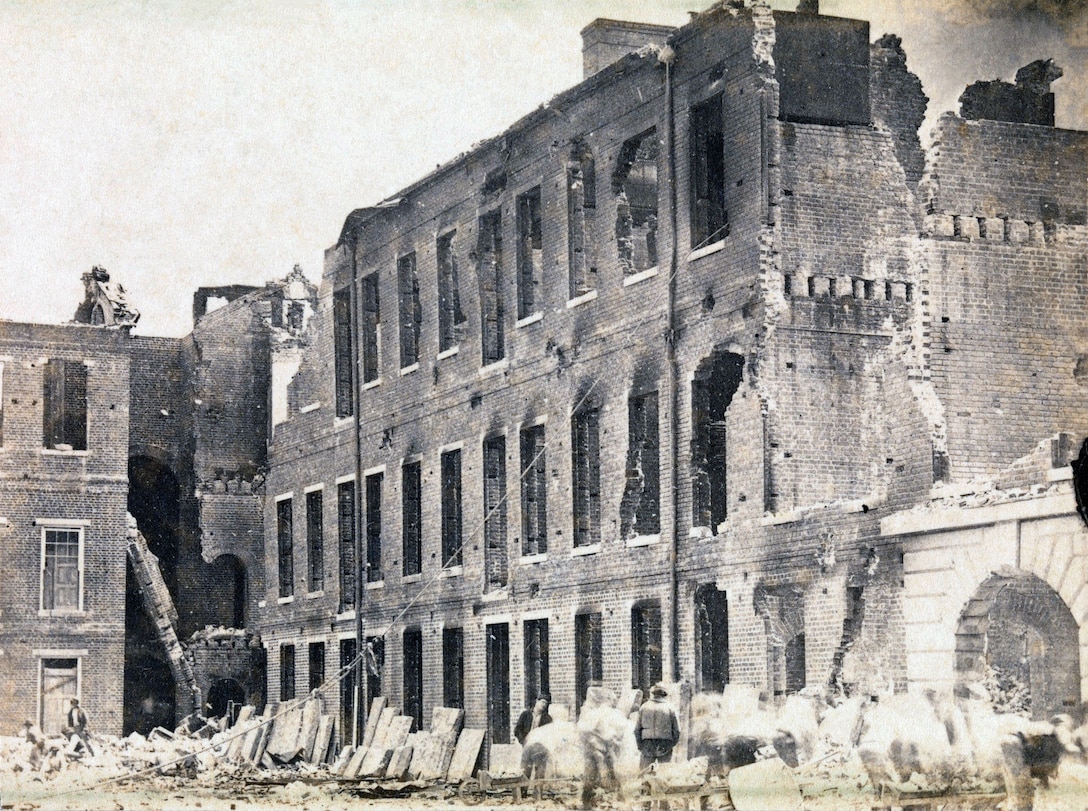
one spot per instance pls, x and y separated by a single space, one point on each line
51 755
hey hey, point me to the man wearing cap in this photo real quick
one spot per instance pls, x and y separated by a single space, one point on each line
657 729
533 717
77 729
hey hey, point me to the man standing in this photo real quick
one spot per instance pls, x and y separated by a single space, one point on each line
77 729
533 717
657 729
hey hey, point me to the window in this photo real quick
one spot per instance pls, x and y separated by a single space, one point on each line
534 492
65 405
411 314
495 564
62 569
709 222
635 186
453 667
497 645
536 660
375 665
530 251
59 683
645 645
1 404
343 352
317 665
640 507
345 515
413 675
315 540
287 672
374 527
451 508
371 329
450 316
412 518
588 654
716 381
586 476
285 547
490 274
711 639
351 711
794 659
581 216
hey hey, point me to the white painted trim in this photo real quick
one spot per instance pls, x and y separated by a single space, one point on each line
290 598
528 560
345 616
585 298
411 459
373 384
407 370
289 495
313 488
641 276
449 353
411 578
589 549
60 653
313 595
63 654
80 608
706 250
529 319
534 422
370 471
339 423
452 571
375 584
344 479
73 523
56 452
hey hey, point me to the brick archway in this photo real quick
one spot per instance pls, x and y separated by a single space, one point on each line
1017 627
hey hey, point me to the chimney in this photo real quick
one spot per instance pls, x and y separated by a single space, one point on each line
607 41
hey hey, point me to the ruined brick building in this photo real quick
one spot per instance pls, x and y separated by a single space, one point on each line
705 370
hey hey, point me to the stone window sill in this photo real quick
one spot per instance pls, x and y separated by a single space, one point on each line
285 600
585 298
706 250
644 540
539 557
449 353
589 549
453 571
407 370
641 276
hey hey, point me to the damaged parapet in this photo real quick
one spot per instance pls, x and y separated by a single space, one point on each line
607 41
293 300
1029 101
105 302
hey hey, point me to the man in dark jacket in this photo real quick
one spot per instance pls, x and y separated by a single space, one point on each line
657 729
77 729
532 717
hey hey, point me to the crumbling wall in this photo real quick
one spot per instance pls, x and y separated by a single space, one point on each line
898 103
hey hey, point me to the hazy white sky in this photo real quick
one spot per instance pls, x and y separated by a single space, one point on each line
186 144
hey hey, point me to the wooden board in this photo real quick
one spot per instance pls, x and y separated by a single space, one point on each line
382 730
311 720
283 743
343 759
375 762
397 733
264 735
435 755
447 719
399 763
372 718
325 729
463 764
351 771
417 740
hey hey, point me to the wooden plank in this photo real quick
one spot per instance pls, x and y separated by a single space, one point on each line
399 763
372 718
447 719
351 771
342 760
417 740
242 733
463 765
399 729
322 740
436 753
382 730
283 743
311 720
244 714
375 762
264 735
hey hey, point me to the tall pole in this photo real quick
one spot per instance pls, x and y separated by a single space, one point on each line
357 389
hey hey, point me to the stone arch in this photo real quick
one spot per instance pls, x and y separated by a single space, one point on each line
1017 629
225 695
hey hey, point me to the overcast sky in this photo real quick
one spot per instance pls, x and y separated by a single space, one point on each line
187 144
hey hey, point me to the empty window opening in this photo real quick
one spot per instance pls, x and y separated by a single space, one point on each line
62 569
411 313
534 492
795 664
226 697
412 518
536 660
285 546
352 716
586 476
345 518
315 540
716 381
581 219
453 667
640 507
709 221
316 665
497 644
374 527
65 406
646 662
375 664
490 273
413 675
343 352
711 639
530 251
59 684
588 654
371 328
495 563
287 672
1 405
450 316
451 508
635 186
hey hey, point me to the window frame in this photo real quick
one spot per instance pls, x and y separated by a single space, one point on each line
61 526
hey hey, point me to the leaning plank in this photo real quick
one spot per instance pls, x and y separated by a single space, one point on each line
437 751
382 730
351 771
311 720
244 714
398 731
447 719
376 707
418 741
264 735
375 762
399 763
322 740
283 744
340 765
463 765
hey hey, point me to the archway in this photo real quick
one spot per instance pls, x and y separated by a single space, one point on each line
1017 636
225 695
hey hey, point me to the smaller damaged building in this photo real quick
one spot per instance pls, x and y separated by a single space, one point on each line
130 488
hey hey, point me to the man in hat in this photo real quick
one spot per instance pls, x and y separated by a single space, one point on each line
77 729
533 717
657 729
